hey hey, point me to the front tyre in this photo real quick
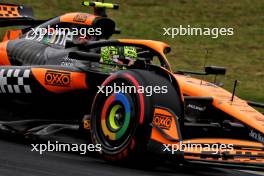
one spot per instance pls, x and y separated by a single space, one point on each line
121 120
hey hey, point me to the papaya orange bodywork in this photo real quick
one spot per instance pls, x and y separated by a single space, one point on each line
156 136
244 149
237 108
4 60
12 35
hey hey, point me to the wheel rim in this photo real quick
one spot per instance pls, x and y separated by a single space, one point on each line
115 117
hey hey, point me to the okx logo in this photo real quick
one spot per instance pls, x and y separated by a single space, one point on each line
56 78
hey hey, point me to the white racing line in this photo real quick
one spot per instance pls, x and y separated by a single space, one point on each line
253 172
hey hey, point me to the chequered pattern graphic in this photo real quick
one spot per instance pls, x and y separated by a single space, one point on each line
8 11
14 81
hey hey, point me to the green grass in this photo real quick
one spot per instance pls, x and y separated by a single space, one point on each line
242 53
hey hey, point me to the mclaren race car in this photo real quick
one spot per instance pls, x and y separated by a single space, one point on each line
53 83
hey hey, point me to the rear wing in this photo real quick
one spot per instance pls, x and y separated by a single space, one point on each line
17 15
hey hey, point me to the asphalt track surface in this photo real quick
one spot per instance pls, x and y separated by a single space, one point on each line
17 160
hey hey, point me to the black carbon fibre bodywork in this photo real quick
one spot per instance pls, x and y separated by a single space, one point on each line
26 52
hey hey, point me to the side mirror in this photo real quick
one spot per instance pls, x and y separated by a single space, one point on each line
215 70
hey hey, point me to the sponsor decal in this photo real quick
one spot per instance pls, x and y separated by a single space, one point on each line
80 18
56 78
162 121
195 107
257 136
68 62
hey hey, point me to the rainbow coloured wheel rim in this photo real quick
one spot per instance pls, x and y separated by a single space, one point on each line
115 116
117 119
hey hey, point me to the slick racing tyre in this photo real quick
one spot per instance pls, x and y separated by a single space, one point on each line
121 120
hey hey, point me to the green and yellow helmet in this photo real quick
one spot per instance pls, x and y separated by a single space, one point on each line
118 54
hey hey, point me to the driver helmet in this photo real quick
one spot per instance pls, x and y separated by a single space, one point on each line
118 54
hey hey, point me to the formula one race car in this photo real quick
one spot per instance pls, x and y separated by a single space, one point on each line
54 82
